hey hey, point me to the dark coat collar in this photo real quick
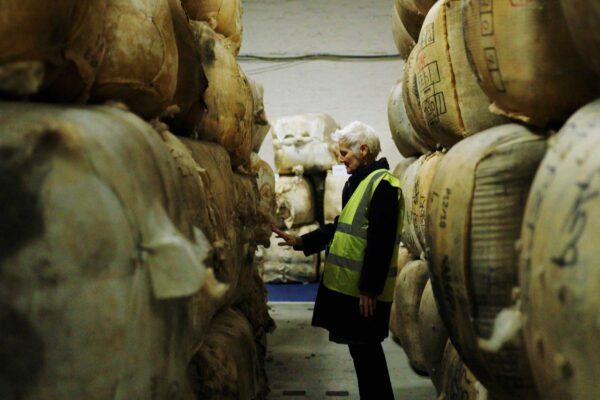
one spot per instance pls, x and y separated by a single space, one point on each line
357 177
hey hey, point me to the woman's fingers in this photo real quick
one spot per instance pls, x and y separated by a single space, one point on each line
366 305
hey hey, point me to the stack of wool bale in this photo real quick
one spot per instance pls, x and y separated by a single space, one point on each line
130 227
304 153
506 261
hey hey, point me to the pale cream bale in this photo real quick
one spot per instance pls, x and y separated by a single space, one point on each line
295 200
558 263
260 123
538 79
267 206
332 202
473 222
53 49
304 141
227 118
402 39
107 312
141 61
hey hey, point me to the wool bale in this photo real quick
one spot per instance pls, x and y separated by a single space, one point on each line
453 103
140 63
295 200
265 180
407 140
54 51
226 366
416 190
99 261
334 185
433 335
402 39
424 5
583 19
284 264
410 283
223 16
402 166
543 58
227 118
410 16
260 123
474 214
559 277
458 382
304 141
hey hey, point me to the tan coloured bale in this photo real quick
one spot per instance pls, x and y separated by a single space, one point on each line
474 216
295 200
265 180
410 16
332 203
223 16
424 5
56 50
402 166
187 104
543 58
416 190
402 39
304 141
412 102
407 140
140 64
227 119
453 103
260 123
410 282
458 382
226 366
119 261
558 264
433 335
284 264
583 19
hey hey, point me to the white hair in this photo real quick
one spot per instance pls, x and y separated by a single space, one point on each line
357 133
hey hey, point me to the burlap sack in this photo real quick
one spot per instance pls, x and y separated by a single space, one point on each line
402 39
407 140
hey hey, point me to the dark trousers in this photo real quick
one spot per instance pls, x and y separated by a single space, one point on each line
371 372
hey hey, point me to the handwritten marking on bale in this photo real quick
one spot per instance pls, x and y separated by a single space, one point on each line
474 217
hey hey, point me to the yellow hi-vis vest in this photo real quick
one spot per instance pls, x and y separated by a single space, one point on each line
344 262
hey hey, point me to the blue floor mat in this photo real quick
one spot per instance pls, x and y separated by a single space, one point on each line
292 291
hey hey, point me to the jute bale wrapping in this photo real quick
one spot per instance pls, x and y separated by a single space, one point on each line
56 48
284 264
558 263
100 262
227 119
403 258
304 140
226 366
410 283
412 102
402 166
140 64
416 189
295 200
260 123
424 5
433 335
474 215
583 18
191 82
223 16
402 39
332 203
265 180
407 140
543 58
458 382
453 103
410 17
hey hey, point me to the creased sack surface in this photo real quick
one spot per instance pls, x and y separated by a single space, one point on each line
223 16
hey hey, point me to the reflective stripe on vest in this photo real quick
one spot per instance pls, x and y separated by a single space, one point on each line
346 254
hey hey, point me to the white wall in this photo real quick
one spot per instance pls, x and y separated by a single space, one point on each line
348 90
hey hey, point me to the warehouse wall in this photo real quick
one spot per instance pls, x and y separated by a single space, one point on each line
346 89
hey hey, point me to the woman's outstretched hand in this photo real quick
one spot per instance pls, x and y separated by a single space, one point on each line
289 240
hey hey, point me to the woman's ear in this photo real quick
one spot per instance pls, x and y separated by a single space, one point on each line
364 150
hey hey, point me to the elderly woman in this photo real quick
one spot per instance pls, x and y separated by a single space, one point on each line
355 296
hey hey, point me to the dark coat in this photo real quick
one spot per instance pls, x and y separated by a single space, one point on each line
339 313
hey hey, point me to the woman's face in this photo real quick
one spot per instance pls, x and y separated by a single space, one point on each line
351 160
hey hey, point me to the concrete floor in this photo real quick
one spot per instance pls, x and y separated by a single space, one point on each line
348 90
303 364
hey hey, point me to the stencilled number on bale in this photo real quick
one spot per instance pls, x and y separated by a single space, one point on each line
427 35
445 205
576 222
486 15
447 285
491 59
